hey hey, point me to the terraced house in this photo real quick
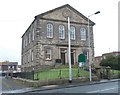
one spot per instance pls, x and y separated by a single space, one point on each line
45 42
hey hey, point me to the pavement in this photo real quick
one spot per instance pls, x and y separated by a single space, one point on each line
12 86
50 87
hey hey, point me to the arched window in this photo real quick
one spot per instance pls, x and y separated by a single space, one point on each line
83 34
61 32
72 33
49 30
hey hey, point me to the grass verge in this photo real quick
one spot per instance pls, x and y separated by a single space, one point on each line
59 73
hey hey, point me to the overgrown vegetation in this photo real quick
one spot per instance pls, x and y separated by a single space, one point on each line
111 61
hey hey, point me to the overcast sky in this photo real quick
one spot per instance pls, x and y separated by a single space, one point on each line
17 15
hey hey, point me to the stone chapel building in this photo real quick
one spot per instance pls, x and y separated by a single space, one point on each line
45 42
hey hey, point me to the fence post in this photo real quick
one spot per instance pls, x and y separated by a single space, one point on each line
60 73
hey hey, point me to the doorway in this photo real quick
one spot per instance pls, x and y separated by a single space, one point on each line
63 58
72 58
63 52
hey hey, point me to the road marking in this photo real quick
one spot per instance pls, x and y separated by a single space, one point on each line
102 90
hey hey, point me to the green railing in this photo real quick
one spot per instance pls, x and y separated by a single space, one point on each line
58 74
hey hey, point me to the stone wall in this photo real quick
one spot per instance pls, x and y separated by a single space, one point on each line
40 42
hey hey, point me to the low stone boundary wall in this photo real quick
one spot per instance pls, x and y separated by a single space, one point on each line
34 83
117 76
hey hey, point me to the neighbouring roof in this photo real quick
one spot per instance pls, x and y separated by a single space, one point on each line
114 52
8 63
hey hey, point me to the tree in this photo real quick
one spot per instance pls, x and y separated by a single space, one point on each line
112 61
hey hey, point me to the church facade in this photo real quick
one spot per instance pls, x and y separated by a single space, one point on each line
45 42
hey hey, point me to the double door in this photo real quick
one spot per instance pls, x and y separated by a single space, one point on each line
64 56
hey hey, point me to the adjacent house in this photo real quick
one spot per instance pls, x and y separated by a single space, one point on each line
45 42
6 67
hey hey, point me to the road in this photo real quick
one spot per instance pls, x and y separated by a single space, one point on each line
109 87
12 86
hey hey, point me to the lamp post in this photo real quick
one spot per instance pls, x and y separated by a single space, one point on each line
69 51
89 50
67 14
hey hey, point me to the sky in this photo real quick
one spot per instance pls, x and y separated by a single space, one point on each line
17 15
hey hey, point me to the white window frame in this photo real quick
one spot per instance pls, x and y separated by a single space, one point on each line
13 67
61 32
83 34
9 67
49 30
48 54
72 33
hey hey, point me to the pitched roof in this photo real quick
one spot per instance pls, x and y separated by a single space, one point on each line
8 63
66 5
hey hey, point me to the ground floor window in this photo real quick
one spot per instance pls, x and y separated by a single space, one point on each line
48 54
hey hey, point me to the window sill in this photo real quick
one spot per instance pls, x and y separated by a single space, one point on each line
48 59
50 37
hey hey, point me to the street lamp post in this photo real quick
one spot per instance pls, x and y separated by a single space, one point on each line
67 14
89 50
69 51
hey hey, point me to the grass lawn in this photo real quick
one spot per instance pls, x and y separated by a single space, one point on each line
59 73
113 72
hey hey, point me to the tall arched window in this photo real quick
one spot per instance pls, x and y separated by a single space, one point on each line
83 34
49 30
72 33
61 32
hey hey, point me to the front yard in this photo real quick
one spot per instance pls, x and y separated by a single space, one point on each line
59 73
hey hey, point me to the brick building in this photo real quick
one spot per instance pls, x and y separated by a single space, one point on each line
46 39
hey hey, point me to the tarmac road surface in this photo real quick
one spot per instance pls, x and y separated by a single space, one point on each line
105 87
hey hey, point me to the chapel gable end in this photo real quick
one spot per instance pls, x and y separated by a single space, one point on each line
62 12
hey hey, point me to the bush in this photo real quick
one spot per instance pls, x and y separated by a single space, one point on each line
112 61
